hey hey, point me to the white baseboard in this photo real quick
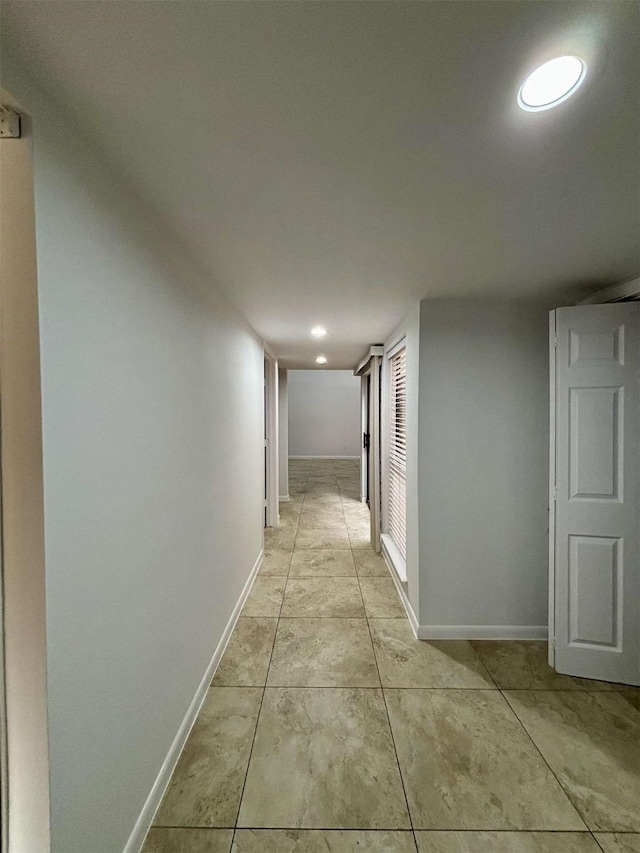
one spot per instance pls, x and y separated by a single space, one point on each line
284 498
145 819
462 632
324 457
482 632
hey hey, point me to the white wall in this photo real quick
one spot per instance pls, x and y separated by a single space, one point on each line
484 439
324 413
152 431
283 433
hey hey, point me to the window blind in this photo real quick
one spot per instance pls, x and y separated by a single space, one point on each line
398 452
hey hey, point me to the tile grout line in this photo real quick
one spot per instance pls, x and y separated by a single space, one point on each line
366 619
264 688
535 745
346 687
386 708
586 831
246 772
395 829
483 665
393 740
551 770
481 662
384 700
286 583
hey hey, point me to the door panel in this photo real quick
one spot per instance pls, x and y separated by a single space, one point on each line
596 416
366 438
596 488
594 582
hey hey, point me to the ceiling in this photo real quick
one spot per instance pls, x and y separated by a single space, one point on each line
334 162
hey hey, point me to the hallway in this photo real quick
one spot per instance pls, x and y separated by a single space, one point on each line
467 748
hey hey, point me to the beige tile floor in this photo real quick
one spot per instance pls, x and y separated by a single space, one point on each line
329 729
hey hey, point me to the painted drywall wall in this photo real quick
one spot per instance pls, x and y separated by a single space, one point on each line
483 463
283 433
152 396
24 662
324 413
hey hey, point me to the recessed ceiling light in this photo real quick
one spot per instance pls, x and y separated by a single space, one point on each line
551 83
321 359
318 331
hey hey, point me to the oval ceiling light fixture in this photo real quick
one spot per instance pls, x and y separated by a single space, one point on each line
318 331
321 359
552 83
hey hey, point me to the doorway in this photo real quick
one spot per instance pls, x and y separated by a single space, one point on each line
370 371
366 439
271 486
594 549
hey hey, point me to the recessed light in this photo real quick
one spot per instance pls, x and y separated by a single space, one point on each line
551 83
321 359
318 331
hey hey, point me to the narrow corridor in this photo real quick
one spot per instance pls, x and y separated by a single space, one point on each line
328 727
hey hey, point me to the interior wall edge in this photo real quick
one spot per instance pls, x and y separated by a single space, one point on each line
25 749
133 358
34 86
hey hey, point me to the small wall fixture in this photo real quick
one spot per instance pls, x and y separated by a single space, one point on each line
318 331
551 83
321 359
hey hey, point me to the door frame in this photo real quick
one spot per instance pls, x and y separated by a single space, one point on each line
369 370
551 604
557 613
628 290
271 486
25 750
365 429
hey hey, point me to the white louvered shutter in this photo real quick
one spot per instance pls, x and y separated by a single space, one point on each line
398 452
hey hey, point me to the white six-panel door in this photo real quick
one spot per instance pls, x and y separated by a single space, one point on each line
595 491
